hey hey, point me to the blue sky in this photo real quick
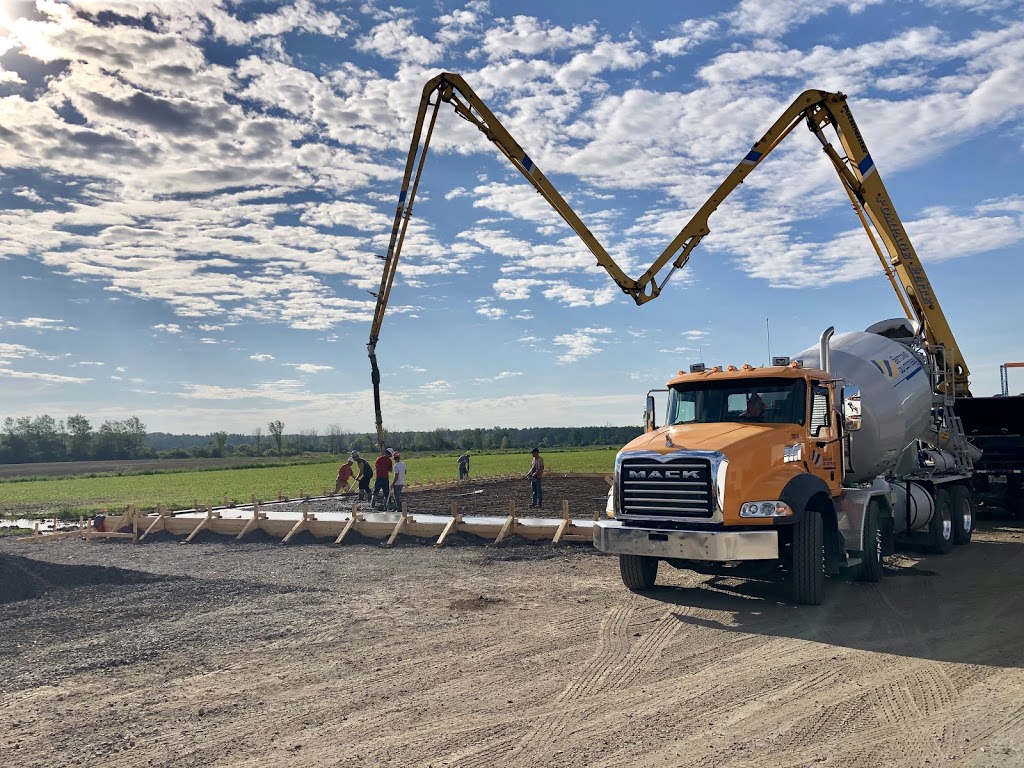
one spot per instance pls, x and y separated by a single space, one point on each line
193 194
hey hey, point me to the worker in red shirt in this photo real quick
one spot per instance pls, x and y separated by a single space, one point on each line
382 467
345 475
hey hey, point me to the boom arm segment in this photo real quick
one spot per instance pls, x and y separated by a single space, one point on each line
819 109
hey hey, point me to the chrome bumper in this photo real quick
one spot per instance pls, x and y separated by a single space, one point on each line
715 546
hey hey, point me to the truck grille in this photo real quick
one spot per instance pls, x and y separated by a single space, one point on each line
656 489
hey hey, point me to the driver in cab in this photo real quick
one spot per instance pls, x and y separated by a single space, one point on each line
755 406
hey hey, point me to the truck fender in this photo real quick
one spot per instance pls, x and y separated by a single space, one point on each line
799 490
798 493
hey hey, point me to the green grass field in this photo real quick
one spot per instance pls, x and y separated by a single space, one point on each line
178 490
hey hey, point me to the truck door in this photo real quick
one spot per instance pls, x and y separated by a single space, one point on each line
825 452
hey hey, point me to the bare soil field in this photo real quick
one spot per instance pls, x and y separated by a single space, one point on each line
219 653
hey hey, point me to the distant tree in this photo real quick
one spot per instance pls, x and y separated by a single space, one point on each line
220 439
257 433
307 440
334 434
110 442
135 437
276 429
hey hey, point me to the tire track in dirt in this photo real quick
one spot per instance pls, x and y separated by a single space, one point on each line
611 653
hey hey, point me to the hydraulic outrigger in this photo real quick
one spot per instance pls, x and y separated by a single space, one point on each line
818 109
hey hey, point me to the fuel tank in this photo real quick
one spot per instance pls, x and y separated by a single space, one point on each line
896 397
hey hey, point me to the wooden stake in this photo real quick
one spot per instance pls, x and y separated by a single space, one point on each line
356 517
451 526
161 518
510 524
198 528
302 524
253 521
564 525
398 529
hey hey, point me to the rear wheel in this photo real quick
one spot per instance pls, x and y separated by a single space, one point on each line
870 568
638 573
963 514
807 574
940 527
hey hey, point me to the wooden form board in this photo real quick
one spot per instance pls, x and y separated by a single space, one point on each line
189 523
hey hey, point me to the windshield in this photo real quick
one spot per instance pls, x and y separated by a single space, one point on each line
769 401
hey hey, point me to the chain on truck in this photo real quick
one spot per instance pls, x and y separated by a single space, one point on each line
816 463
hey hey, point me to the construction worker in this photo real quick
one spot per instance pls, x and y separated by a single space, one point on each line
365 476
536 476
382 466
345 477
399 484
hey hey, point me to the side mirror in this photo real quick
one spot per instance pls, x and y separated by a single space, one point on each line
649 414
851 408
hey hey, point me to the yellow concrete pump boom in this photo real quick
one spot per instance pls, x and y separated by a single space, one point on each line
818 109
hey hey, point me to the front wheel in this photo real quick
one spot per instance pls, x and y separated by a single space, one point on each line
638 573
940 527
807 574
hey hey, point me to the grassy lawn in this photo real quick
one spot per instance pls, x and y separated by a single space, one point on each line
179 490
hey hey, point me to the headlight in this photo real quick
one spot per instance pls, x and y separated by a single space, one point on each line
765 509
791 453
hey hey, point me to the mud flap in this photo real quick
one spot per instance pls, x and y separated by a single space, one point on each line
835 545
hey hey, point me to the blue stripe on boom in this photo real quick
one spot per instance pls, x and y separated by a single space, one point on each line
753 157
401 196
865 165
527 162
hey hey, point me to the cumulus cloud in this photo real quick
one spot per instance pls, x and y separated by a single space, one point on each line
397 39
171 328
581 343
261 358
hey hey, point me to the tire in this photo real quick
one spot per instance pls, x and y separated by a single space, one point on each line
871 564
638 573
807 574
940 527
963 514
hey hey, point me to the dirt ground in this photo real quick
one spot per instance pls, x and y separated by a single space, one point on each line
137 466
219 653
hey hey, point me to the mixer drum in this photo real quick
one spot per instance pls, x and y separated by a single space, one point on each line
896 397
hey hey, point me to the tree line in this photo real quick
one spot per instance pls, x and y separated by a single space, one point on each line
29 439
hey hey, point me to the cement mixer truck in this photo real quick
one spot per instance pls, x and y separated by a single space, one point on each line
818 462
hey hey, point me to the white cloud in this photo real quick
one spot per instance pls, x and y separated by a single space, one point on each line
397 39
261 358
498 377
515 290
11 351
530 36
769 18
40 324
581 343
574 296
171 328
310 367
51 378
494 313
692 32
